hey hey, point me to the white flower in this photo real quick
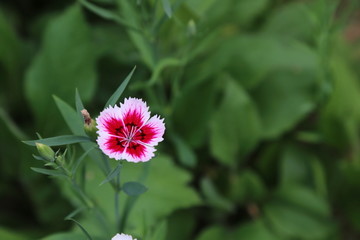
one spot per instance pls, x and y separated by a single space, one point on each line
122 237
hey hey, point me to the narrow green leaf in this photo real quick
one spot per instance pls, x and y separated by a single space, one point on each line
213 197
81 227
74 213
160 231
74 123
39 158
112 174
134 188
185 153
60 140
79 105
49 172
80 159
11 125
117 94
167 7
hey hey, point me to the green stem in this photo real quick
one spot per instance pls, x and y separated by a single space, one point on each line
117 205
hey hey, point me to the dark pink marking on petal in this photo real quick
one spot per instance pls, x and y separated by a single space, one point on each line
136 150
115 144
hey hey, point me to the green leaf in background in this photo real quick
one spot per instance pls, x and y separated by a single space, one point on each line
129 12
79 107
298 211
255 230
214 233
185 219
134 188
66 61
155 204
284 99
299 166
338 130
251 58
65 236
247 10
192 110
160 231
167 7
114 173
282 21
236 128
75 124
214 198
11 235
54 173
186 155
9 47
117 94
247 187
59 140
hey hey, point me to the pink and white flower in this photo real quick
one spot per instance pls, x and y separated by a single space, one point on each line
127 132
122 237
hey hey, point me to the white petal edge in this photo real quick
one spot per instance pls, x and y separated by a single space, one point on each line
135 104
156 123
148 154
122 237
105 115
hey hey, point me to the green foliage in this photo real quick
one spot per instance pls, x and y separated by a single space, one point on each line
261 101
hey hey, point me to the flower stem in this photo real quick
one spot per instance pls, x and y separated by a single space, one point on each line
117 203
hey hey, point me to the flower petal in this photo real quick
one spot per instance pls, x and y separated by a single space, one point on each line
152 132
138 153
111 146
122 236
109 119
134 111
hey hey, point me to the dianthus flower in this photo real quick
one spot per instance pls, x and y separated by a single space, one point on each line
122 237
127 132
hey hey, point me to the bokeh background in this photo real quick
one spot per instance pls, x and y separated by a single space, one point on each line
261 100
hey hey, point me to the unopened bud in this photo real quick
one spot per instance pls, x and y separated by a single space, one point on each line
89 124
46 152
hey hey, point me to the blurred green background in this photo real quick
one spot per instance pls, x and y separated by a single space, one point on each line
261 100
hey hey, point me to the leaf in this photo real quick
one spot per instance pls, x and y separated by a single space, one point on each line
160 231
54 173
298 212
66 61
60 140
236 128
255 230
284 99
186 155
214 233
247 10
167 7
131 17
117 94
11 235
247 187
64 236
281 21
192 110
80 159
156 204
114 173
134 188
79 106
81 227
213 197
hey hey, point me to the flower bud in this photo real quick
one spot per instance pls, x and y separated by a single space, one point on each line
89 125
46 152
